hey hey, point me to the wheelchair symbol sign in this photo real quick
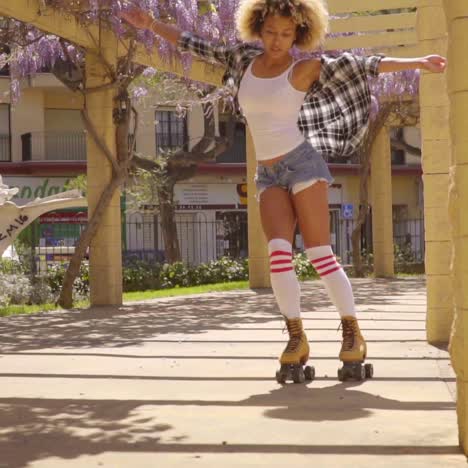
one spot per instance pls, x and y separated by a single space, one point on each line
347 211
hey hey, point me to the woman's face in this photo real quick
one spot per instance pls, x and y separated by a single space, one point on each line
278 35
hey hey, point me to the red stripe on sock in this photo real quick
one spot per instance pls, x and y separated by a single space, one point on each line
323 258
319 267
280 252
325 273
281 270
277 262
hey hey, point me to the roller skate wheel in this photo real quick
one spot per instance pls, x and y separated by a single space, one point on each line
369 371
280 377
360 373
298 375
309 373
341 375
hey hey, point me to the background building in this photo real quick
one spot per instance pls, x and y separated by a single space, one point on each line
43 145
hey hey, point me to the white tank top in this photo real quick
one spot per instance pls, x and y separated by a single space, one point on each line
271 107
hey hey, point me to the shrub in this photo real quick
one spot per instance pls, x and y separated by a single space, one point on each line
56 274
10 267
303 267
20 289
138 275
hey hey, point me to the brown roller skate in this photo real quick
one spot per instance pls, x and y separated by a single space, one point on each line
353 352
295 355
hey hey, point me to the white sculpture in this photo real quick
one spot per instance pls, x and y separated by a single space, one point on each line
13 218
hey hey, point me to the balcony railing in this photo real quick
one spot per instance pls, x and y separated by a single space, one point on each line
5 148
54 146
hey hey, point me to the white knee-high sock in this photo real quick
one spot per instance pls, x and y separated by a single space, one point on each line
336 282
283 278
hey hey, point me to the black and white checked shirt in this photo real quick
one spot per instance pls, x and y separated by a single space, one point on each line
334 117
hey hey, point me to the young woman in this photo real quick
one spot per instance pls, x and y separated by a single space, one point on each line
297 112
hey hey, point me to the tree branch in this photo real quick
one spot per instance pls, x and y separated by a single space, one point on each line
101 144
400 144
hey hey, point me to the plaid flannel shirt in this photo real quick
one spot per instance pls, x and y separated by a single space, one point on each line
334 117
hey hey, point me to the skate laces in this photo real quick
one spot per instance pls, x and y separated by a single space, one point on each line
293 344
348 334
295 335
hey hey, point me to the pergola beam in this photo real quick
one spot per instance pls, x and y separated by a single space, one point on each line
199 71
53 22
48 20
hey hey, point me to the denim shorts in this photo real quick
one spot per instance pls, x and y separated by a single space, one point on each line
297 170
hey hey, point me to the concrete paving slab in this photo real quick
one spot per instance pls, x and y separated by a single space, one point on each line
189 382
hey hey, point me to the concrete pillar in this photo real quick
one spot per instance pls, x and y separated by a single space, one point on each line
381 202
259 264
434 106
457 81
106 247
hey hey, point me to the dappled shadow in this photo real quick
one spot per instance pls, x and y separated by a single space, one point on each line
35 429
133 324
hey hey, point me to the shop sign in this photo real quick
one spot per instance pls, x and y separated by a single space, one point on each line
80 217
31 188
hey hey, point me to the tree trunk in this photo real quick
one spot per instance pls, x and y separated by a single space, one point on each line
118 178
168 224
66 295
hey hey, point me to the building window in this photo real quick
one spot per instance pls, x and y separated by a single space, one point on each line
5 134
398 157
171 131
236 153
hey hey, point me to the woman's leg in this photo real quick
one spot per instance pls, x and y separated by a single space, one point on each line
311 207
279 223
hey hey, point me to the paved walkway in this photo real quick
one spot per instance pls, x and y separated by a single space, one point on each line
189 382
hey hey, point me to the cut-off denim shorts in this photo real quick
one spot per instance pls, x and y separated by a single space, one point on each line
297 170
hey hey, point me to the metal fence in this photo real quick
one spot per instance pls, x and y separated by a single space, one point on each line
202 240
408 237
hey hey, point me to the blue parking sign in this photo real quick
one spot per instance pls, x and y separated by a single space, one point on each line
347 211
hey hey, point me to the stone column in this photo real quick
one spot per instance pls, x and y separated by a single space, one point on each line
381 202
435 149
457 21
259 264
106 248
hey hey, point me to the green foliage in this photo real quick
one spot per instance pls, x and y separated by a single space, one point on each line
403 254
141 276
20 289
11 267
79 183
56 274
303 267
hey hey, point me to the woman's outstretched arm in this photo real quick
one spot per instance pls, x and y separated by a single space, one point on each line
432 63
185 41
140 19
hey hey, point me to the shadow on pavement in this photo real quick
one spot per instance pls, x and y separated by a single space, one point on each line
132 324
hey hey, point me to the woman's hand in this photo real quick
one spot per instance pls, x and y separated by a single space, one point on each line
434 63
137 18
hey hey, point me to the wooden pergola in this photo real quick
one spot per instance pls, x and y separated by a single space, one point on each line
417 27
